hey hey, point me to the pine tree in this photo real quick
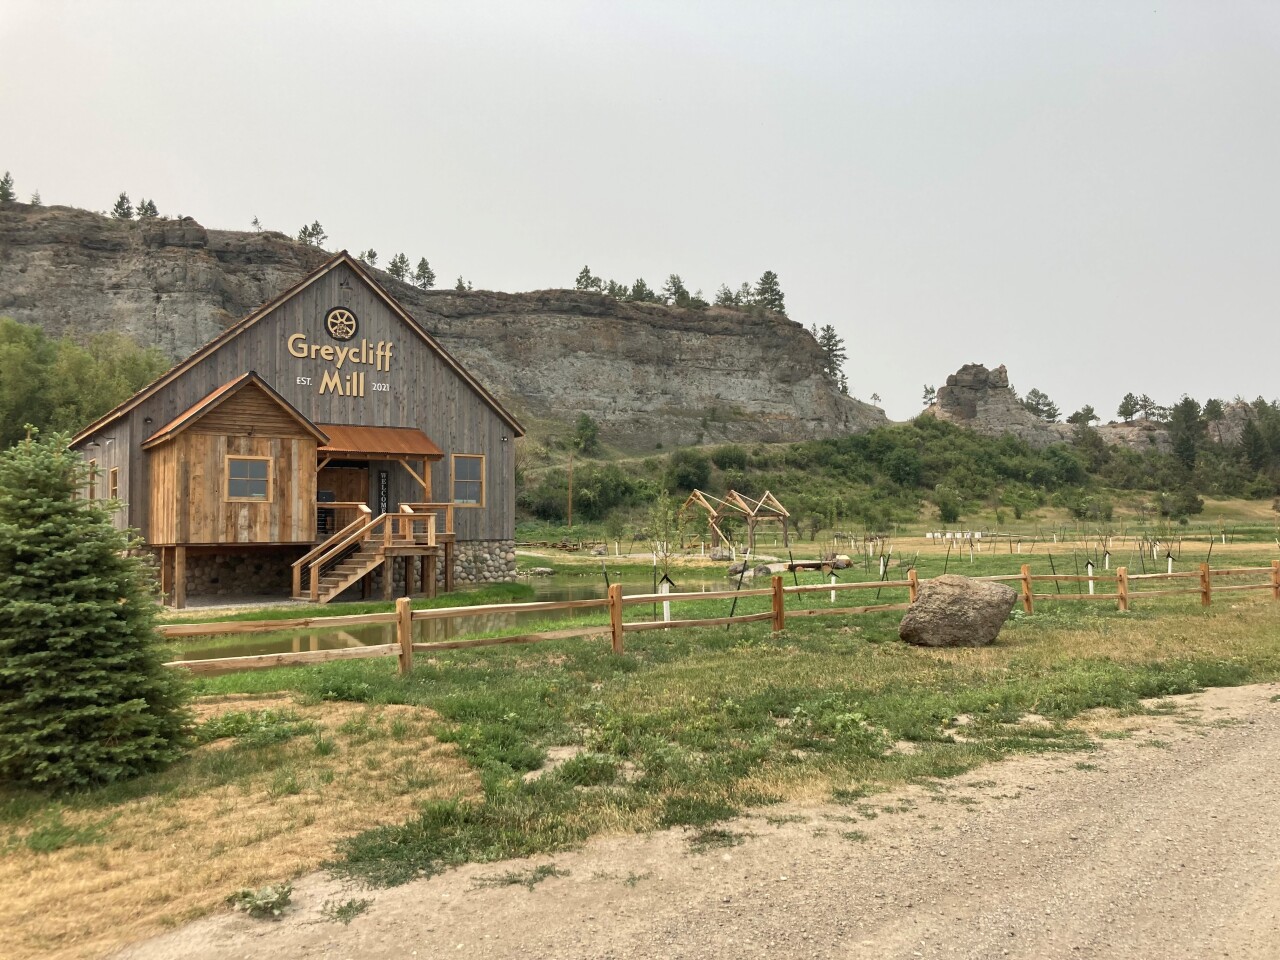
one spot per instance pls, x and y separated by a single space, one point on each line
6 187
399 266
256 224
35 200
586 280
768 293
369 257
833 352
147 210
1084 416
461 285
726 297
1128 408
84 697
424 277
314 235
675 292
123 210
616 290
930 395
1039 403
744 297
641 292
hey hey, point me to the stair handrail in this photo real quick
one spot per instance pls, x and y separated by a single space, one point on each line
356 536
306 558
438 509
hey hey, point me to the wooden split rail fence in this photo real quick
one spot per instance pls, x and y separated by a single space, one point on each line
404 616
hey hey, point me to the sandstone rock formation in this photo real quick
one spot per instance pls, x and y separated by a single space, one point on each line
982 400
954 611
649 374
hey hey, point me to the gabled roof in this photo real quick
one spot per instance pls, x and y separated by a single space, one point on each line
236 329
216 398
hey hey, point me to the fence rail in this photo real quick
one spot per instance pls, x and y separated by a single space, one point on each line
405 616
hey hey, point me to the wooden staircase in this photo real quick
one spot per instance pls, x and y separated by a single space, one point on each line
364 545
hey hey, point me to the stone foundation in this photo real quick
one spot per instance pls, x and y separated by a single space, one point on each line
247 573
474 562
267 572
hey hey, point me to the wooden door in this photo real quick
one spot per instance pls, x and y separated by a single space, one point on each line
339 485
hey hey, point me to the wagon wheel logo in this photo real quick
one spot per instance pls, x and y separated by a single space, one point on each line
341 323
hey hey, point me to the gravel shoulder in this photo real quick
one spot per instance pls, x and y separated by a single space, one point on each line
1161 843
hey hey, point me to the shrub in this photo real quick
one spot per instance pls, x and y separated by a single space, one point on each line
84 697
688 470
729 457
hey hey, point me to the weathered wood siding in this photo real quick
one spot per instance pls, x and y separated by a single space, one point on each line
423 391
113 450
188 493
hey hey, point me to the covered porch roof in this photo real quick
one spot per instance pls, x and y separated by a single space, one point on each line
355 442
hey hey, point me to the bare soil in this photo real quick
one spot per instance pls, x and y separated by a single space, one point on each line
1161 843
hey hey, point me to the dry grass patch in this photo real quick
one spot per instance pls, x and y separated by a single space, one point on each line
79 881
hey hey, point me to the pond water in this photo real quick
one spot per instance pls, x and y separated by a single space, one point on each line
559 587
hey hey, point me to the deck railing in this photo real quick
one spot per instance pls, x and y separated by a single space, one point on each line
404 615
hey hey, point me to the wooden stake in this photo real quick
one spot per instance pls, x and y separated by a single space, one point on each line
1027 605
404 633
1122 588
779 606
615 616
1275 579
180 578
914 588
1206 591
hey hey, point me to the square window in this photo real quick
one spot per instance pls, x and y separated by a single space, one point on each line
248 478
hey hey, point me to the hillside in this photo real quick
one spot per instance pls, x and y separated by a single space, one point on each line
649 374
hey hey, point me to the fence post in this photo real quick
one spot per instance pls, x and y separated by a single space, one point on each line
1275 579
913 584
1122 588
1206 591
779 608
404 633
615 615
1027 605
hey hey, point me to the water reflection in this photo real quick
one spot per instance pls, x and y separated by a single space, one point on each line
445 628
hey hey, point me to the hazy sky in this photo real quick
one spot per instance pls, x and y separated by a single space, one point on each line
1086 192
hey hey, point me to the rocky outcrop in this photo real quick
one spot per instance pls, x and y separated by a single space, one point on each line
953 611
982 400
648 373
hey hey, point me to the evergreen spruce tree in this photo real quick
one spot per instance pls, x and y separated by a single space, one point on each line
6 187
147 210
369 256
461 285
123 210
833 352
726 297
35 200
423 276
84 697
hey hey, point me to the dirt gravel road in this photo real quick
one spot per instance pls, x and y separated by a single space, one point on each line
1162 845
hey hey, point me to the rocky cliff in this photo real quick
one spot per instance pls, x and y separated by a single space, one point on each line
982 400
648 373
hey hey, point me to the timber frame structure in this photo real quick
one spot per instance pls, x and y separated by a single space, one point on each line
767 508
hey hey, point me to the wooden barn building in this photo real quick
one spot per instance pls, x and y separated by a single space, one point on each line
323 442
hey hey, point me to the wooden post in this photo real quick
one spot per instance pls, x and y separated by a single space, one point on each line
180 578
388 577
430 575
913 584
1206 590
1027 604
166 576
1275 579
615 615
779 606
1122 588
297 580
404 633
448 566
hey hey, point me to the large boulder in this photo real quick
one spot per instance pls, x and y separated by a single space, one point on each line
953 611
